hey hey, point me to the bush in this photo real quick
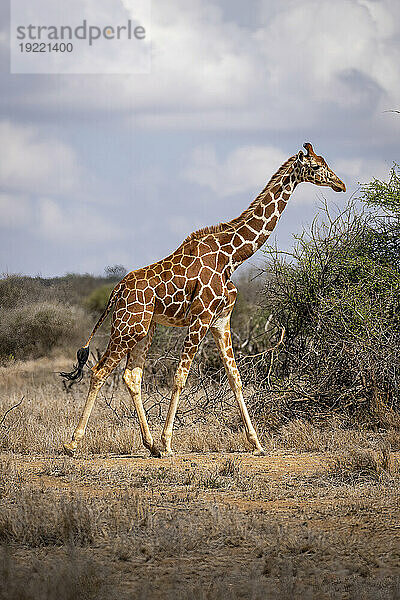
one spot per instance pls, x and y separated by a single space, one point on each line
115 272
16 290
384 195
34 330
40 314
339 301
97 301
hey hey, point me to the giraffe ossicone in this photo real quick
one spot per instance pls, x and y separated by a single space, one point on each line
192 288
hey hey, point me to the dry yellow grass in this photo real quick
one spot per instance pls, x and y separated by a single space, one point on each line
318 517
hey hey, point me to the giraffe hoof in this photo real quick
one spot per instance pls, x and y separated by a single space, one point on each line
167 453
70 448
155 452
259 452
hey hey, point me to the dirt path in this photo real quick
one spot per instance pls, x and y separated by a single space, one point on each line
260 481
275 466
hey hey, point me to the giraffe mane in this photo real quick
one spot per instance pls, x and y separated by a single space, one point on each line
200 233
231 225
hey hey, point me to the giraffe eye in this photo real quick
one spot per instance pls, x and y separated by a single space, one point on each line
315 167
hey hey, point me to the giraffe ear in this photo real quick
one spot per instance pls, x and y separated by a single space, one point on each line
309 148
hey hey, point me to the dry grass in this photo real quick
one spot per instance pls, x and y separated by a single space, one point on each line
365 464
47 416
65 577
253 552
317 518
32 518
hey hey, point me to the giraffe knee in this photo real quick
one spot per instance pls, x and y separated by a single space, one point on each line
97 376
179 381
132 380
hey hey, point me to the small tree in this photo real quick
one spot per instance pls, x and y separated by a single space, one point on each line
115 272
384 195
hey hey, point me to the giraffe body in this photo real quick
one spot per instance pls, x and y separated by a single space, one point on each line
192 288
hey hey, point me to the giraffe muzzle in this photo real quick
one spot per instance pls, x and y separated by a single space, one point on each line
338 186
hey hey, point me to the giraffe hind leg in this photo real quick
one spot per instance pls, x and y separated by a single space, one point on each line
197 331
133 379
100 372
128 328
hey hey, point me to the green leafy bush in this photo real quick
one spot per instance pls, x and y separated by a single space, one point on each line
384 195
97 301
339 301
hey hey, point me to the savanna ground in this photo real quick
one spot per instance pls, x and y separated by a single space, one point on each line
317 517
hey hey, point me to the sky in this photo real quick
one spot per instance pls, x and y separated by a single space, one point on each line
97 170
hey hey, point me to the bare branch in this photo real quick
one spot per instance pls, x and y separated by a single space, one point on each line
9 410
268 349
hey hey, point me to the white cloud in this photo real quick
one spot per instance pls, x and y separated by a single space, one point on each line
181 225
198 62
41 183
314 69
328 52
361 170
32 163
51 220
70 224
15 210
303 61
245 169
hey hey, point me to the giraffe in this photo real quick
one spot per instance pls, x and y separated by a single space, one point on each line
192 288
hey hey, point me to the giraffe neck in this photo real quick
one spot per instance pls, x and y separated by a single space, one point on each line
253 227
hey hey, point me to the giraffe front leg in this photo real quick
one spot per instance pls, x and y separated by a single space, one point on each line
197 331
166 436
222 336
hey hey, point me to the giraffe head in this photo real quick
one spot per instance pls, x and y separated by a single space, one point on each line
313 168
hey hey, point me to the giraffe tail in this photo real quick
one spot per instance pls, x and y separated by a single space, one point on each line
83 353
